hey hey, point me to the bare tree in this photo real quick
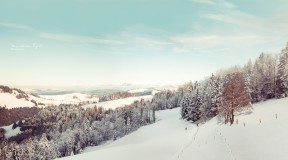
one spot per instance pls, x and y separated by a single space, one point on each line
235 96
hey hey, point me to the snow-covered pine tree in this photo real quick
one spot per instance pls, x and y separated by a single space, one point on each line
206 92
43 148
4 150
216 95
29 149
9 153
193 103
184 106
16 151
247 73
195 112
282 74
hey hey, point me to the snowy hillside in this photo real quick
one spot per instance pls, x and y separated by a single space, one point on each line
119 102
10 100
168 139
72 98
138 90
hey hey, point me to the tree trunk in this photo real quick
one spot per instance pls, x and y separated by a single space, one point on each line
226 118
232 117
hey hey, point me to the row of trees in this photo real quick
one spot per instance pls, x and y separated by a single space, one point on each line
116 95
9 116
123 94
236 88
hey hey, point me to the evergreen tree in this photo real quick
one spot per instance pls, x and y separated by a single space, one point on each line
191 106
185 103
216 94
282 75
29 149
195 113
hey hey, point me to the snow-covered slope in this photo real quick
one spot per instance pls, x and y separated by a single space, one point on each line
138 90
119 102
168 139
73 98
10 101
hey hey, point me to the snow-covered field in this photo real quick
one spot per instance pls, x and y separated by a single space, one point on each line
72 98
10 101
119 102
168 139
138 90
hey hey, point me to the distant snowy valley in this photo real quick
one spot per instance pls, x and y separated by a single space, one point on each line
12 100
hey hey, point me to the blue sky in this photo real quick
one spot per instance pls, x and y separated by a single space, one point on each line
92 42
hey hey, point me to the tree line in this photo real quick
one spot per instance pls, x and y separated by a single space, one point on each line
236 88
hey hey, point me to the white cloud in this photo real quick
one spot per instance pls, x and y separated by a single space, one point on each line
77 39
274 25
237 18
180 50
152 43
15 26
209 41
221 3
61 37
210 2
228 5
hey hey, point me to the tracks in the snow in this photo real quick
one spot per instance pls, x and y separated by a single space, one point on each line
228 147
222 138
184 147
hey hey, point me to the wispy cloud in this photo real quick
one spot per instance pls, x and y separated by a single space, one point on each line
77 39
273 26
180 50
221 3
237 18
60 37
228 5
15 26
152 42
210 2
209 41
